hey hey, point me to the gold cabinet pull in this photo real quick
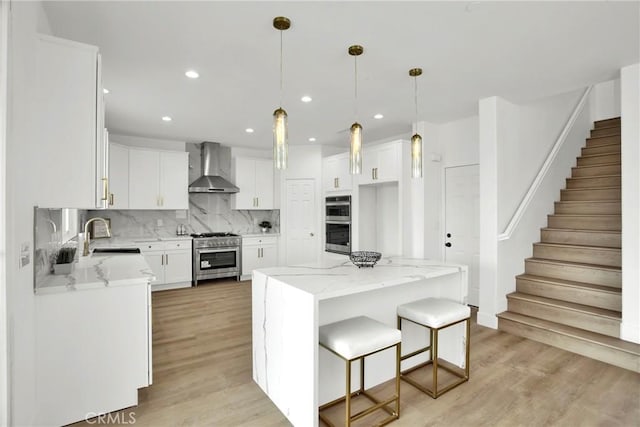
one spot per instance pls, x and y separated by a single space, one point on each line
105 189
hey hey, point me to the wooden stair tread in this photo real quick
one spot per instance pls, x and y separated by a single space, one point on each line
595 311
574 264
618 126
600 155
596 177
604 136
611 216
587 201
571 283
581 334
599 165
572 246
581 230
591 189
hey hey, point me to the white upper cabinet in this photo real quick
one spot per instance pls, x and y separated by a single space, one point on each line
118 176
381 163
70 123
254 178
335 172
158 179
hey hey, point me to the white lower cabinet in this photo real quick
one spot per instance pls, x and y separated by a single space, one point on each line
258 252
170 261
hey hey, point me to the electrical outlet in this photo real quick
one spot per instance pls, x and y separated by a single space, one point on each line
159 222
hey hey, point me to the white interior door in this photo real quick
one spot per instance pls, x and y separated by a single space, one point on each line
301 234
462 223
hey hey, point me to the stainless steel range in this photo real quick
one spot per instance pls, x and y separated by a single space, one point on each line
216 255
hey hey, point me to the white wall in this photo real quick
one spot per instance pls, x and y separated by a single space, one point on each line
4 367
27 18
459 141
605 100
630 118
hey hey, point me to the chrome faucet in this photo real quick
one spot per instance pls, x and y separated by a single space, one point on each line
87 237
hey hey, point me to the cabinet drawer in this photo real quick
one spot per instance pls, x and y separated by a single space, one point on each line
181 244
151 246
252 241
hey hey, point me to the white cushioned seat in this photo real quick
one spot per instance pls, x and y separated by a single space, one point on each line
434 312
357 336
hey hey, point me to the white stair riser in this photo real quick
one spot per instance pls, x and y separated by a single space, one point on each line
572 237
594 298
599 159
586 348
602 149
578 172
577 319
594 275
603 140
595 222
605 132
607 123
594 182
588 207
590 194
583 254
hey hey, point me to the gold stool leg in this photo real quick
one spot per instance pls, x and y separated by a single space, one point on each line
398 353
347 421
468 347
434 357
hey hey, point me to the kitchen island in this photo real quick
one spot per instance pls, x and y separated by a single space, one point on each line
290 303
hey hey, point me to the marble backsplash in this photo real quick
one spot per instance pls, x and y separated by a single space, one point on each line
207 213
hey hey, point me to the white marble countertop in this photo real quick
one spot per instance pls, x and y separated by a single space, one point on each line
332 278
99 271
260 235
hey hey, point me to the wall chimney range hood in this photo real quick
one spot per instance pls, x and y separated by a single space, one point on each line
211 181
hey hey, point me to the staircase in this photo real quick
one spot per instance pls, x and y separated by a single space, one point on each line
570 293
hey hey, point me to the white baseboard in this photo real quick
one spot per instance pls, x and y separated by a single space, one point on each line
167 286
487 319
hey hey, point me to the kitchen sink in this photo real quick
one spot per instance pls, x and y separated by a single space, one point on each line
115 251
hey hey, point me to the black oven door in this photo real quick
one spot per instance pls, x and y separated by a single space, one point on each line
218 260
338 237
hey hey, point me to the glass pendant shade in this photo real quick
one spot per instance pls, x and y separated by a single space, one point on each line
280 139
355 154
416 156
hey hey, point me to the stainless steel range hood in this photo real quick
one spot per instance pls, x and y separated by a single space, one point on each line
211 181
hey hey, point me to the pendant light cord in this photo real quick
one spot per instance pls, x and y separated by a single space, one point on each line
281 70
355 107
415 81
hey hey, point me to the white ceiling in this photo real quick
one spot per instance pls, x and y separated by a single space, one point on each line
468 50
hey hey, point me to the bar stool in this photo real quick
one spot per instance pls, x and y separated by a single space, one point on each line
435 314
354 339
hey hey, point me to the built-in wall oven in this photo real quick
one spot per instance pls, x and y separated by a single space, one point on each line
216 255
338 224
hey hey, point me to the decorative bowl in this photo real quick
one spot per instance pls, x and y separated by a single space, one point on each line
365 258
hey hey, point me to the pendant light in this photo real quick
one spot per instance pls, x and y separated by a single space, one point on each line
280 125
416 139
355 152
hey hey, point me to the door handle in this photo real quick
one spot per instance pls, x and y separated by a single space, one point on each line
448 234
448 244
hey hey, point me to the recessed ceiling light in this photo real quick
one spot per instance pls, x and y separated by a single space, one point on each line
248 130
166 119
312 139
105 90
306 98
378 116
192 74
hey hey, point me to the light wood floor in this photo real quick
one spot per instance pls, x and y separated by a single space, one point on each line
202 376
